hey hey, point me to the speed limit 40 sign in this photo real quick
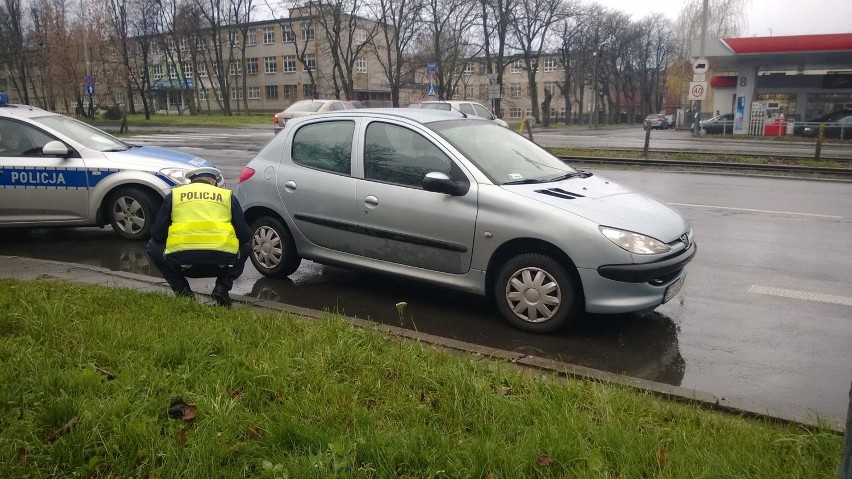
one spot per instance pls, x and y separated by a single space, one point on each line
697 90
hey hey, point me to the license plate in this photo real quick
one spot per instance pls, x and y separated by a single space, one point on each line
673 289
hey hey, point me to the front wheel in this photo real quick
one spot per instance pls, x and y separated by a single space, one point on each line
535 293
273 251
131 212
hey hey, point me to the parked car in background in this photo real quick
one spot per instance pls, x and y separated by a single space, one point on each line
465 204
308 107
718 125
57 171
838 124
658 121
466 107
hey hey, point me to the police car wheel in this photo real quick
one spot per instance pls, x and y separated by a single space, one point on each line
131 212
273 251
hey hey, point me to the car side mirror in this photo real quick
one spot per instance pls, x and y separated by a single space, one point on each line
441 183
55 148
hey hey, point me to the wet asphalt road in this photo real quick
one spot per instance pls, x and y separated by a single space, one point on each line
764 315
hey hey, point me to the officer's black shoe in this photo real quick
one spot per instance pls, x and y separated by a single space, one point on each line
184 293
220 295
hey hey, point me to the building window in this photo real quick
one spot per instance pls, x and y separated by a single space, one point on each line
251 66
360 36
309 90
468 69
289 65
173 71
287 35
253 93
514 113
310 62
517 66
550 86
270 65
271 92
268 35
155 48
236 93
202 70
202 94
515 90
307 31
360 65
235 69
233 38
251 37
187 70
157 72
468 92
550 64
184 45
289 91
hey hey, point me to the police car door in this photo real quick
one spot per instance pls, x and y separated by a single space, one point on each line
34 188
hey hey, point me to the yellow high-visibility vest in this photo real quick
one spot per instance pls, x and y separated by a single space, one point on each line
201 220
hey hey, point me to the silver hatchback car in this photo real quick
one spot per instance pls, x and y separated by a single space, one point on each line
464 204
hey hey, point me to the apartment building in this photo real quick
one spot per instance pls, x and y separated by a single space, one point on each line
281 62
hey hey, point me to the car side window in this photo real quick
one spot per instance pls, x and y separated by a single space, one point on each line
393 154
482 112
467 109
325 146
20 139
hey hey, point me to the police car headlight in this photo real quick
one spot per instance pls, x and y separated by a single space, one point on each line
178 175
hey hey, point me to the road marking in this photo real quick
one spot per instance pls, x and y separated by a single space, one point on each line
751 210
796 294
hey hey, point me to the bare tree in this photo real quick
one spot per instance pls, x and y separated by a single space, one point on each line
496 18
448 29
533 20
399 23
13 51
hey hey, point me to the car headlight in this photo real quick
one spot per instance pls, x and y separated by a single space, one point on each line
175 174
634 242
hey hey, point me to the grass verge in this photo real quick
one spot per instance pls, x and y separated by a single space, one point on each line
90 373
201 119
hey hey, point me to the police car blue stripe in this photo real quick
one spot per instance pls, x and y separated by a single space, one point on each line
69 178
166 179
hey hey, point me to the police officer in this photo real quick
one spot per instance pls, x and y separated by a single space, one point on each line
200 232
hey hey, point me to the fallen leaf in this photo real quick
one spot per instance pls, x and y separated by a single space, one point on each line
67 427
236 393
253 432
506 390
544 460
663 456
181 410
189 412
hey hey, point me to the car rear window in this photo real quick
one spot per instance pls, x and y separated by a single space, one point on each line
311 106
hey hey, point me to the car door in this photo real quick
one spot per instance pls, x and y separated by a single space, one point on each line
35 188
316 185
400 221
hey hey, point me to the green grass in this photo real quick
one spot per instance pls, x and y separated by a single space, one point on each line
201 119
89 372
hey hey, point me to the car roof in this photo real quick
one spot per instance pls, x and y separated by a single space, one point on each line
415 114
23 111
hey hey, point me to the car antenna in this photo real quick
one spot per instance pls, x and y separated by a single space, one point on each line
456 109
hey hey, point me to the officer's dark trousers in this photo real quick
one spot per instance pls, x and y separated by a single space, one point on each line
176 268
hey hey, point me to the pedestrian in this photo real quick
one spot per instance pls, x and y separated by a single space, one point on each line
200 232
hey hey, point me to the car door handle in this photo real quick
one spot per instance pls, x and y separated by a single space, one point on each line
290 185
371 201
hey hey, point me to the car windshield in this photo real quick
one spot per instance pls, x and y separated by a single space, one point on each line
311 106
86 135
503 155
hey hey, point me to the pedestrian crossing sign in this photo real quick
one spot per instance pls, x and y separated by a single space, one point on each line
432 90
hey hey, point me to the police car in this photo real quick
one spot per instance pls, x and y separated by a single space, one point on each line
57 171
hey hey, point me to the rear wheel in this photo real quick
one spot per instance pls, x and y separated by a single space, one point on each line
273 251
536 293
131 212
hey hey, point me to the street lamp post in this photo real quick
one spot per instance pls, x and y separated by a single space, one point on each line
594 112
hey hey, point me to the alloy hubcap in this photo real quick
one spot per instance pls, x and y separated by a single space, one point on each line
533 294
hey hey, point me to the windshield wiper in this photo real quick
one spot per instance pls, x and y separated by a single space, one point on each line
528 181
577 174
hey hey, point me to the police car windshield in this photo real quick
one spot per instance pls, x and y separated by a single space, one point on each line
82 133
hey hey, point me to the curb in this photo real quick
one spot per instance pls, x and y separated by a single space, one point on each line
24 268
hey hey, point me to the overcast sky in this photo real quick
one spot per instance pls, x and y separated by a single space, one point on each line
784 17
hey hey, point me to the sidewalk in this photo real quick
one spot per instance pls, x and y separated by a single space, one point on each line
17 267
